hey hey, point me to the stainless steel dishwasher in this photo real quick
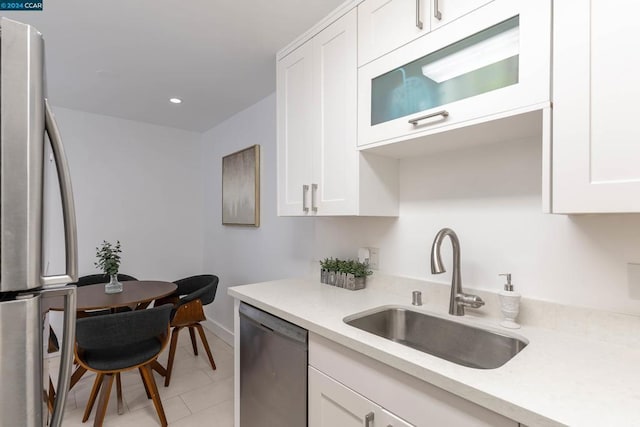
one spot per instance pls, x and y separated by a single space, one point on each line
273 370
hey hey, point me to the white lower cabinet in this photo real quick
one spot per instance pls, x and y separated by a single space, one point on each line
332 404
345 387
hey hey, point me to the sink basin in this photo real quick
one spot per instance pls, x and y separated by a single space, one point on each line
456 342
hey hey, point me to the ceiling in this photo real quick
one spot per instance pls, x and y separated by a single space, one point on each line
126 58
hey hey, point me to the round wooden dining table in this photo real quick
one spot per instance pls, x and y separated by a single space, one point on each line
135 293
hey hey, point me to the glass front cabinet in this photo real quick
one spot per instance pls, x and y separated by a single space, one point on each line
481 66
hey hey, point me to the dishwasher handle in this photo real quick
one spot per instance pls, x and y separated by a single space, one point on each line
273 324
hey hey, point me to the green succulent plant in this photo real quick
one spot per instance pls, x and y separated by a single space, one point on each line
108 257
357 268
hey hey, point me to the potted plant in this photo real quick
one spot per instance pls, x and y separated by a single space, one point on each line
349 274
328 269
109 262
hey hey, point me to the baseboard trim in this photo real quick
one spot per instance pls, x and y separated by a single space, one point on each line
223 333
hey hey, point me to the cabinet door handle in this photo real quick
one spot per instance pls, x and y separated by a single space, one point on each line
418 14
443 113
305 190
368 420
314 191
436 10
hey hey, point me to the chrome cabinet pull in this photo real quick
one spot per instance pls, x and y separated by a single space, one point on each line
368 420
436 10
418 14
443 113
305 190
314 191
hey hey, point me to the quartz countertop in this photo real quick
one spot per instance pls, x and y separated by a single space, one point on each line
558 379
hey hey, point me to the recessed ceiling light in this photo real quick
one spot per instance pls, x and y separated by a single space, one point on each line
175 100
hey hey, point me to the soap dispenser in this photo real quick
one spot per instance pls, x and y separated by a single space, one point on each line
509 304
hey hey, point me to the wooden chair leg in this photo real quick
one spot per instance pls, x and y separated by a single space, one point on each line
77 374
192 334
156 366
147 375
205 343
119 394
172 354
51 396
146 389
92 397
104 400
53 342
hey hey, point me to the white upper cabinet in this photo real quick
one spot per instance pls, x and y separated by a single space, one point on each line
489 63
596 136
335 158
384 25
295 154
445 11
320 171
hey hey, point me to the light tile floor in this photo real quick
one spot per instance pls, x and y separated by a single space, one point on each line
197 395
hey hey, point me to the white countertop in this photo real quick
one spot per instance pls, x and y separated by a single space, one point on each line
558 379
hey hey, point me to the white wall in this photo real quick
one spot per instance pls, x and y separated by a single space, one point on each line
135 182
280 247
491 197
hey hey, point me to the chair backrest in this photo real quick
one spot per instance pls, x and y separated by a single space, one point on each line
121 329
201 287
94 279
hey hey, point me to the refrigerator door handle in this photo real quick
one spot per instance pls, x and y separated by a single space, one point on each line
66 349
68 209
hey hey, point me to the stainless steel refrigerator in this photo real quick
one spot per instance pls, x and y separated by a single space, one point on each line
26 122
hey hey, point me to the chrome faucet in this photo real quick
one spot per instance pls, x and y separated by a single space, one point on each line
458 299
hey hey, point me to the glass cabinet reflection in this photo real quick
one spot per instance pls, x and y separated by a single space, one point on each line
483 62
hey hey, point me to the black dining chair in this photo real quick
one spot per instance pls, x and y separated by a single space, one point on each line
189 298
114 343
92 279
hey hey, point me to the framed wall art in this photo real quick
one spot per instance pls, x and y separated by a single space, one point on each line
241 187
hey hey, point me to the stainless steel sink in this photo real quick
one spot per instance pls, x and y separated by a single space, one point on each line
456 342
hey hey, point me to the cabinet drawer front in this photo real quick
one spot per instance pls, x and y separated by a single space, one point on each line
490 61
449 10
332 404
385 25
